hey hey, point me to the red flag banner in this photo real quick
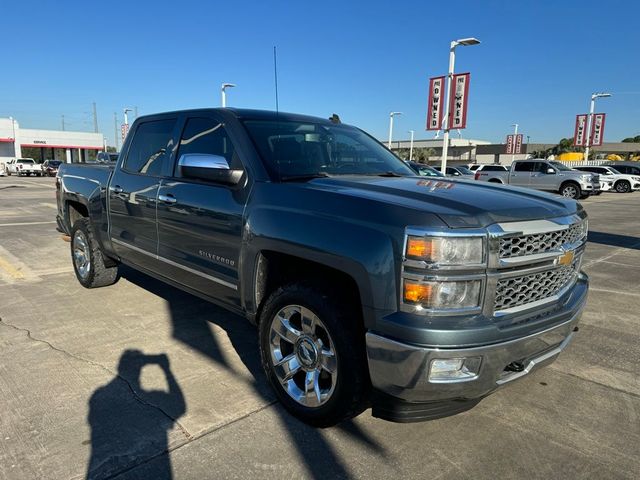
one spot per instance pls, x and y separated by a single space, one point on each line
436 100
518 144
459 101
580 133
510 144
597 129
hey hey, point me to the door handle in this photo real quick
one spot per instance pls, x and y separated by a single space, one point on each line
116 189
167 198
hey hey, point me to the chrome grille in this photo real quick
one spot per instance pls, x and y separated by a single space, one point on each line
516 291
540 242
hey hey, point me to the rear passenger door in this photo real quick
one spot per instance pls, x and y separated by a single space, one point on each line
134 189
200 222
520 175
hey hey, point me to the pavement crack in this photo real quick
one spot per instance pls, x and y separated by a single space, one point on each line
135 394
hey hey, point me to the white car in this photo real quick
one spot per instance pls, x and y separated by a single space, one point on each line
24 166
622 183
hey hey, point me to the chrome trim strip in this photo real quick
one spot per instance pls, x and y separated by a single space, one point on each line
177 265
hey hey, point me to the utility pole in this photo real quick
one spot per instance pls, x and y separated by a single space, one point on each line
63 123
115 130
411 147
95 118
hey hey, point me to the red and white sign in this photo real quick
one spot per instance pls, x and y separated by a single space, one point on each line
580 133
597 129
436 100
518 144
124 129
459 100
510 144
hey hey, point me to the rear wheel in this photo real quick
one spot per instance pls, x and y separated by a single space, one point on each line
570 190
623 186
313 354
88 261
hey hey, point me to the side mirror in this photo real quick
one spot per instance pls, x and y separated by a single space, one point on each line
456 174
213 168
550 171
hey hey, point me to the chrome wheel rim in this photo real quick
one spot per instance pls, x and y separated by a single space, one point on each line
570 192
303 356
622 187
81 257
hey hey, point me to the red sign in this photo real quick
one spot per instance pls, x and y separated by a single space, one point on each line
580 133
458 102
597 129
510 144
436 100
518 144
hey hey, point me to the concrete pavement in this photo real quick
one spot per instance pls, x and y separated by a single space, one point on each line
140 380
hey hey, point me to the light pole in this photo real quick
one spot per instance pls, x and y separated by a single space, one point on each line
465 42
223 87
15 140
411 146
513 145
590 121
391 115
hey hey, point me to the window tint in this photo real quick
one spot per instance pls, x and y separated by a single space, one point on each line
524 166
150 147
493 168
206 135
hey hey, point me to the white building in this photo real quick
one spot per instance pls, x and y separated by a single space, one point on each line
16 142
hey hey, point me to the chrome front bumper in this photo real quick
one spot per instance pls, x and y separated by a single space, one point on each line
402 371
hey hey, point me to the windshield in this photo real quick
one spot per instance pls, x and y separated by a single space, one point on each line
25 160
291 149
614 171
464 171
561 166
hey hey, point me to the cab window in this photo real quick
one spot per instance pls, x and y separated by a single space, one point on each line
150 147
524 167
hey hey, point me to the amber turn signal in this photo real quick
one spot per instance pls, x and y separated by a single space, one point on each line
419 247
416 292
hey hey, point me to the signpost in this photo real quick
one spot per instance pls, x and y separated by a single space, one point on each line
436 100
580 133
458 101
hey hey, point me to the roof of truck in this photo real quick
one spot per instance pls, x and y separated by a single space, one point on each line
251 114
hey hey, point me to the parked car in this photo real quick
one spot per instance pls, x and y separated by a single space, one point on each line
24 166
50 167
457 171
622 183
548 175
485 170
369 286
3 169
424 170
628 168
494 166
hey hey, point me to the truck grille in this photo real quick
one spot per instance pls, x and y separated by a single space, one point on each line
540 242
516 291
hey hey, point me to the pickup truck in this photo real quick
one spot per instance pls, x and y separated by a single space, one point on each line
370 285
24 166
547 175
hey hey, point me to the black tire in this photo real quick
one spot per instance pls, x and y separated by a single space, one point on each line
8 173
571 190
495 180
622 186
97 273
339 319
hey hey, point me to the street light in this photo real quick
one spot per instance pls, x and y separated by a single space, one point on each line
465 42
223 87
590 121
391 115
513 145
411 147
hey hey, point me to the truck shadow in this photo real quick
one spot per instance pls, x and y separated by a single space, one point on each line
614 240
191 319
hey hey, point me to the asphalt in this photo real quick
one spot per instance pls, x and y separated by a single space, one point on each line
139 380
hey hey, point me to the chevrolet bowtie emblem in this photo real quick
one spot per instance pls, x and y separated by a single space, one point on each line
566 258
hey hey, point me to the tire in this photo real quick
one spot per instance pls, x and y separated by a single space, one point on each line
339 373
571 190
495 180
8 173
622 186
87 258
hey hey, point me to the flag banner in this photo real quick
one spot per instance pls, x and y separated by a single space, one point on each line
459 101
580 133
518 144
597 129
510 144
436 100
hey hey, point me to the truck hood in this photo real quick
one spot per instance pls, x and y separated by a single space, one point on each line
459 203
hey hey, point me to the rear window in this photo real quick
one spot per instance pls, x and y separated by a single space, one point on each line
25 160
494 168
524 166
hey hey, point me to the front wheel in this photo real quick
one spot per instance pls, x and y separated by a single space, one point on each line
623 186
571 190
88 261
313 353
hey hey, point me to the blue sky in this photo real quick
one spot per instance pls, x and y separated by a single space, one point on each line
538 63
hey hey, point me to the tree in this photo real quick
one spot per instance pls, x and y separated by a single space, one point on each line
635 139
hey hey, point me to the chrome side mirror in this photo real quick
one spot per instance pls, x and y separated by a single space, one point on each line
550 171
212 168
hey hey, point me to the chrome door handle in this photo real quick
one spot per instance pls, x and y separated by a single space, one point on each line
117 189
167 198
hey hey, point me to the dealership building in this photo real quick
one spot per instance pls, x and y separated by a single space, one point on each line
41 145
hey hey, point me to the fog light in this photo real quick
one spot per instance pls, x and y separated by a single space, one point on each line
454 369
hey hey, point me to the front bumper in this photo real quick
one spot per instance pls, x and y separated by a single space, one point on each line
400 372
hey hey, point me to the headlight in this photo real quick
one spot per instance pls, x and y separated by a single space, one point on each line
443 294
446 250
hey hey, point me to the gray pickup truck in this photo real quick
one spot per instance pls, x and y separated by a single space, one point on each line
370 285
547 175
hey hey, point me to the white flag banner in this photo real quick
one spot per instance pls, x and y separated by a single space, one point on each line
436 100
580 133
597 129
459 101
510 144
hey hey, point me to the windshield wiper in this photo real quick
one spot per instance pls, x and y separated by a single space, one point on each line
303 177
387 174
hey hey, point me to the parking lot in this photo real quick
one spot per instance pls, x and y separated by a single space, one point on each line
85 387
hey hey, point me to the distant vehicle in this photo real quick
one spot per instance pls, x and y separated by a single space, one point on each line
457 171
24 166
3 169
479 166
107 157
548 175
622 183
50 167
487 169
424 170
628 168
